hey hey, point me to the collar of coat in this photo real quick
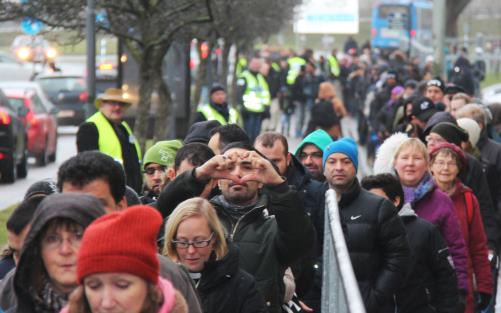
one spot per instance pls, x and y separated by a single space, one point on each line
350 194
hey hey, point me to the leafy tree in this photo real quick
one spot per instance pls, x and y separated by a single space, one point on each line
147 27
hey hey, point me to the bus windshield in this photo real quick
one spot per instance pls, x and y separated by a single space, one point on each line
397 16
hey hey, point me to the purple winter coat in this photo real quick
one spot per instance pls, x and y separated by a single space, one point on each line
437 208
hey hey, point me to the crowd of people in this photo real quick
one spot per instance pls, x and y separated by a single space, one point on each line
230 219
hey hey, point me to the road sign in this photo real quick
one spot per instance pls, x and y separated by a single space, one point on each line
31 26
327 17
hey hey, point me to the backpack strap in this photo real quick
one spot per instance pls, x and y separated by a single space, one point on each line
469 205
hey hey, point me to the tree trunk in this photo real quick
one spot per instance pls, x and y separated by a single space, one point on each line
233 96
150 73
225 64
162 119
453 11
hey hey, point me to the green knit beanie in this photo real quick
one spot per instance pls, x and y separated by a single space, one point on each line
162 152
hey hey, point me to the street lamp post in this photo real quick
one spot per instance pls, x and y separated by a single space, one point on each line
91 54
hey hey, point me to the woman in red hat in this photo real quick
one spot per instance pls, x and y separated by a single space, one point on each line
118 268
447 161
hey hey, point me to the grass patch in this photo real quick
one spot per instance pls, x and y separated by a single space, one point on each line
491 79
4 216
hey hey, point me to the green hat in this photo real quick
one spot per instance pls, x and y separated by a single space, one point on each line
162 152
319 138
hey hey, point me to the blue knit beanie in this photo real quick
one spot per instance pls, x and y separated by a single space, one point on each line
346 146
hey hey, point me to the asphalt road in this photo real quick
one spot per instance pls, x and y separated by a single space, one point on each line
13 193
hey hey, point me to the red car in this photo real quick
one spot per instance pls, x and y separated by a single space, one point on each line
40 121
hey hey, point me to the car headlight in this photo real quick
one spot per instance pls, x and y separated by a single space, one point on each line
51 53
23 53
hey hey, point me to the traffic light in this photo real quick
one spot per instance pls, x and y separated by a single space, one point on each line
204 50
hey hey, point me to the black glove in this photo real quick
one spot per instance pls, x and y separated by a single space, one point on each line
483 300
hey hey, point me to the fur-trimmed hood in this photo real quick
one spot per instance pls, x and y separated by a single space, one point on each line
386 153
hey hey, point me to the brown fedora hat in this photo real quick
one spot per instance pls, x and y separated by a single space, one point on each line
115 95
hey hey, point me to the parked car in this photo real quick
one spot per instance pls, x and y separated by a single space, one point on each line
69 94
40 120
13 142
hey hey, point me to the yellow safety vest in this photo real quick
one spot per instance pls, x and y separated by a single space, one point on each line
108 140
257 94
275 67
241 66
295 64
334 66
212 114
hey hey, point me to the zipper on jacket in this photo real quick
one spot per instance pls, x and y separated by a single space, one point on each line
238 222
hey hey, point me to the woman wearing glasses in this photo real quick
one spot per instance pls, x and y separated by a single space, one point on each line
47 270
195 238
447 161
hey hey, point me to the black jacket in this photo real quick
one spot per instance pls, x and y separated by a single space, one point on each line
312 193
490 151
430 284
183 187
88 139
308 272
475 178
225 287
377 243
273 235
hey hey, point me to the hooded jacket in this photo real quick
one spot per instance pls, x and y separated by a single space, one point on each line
273 235
320 138
225 287
377 244
430 283
79 208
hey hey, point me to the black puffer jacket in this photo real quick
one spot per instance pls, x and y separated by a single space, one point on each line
225 287
308 272
81 209
430 285
273 235
377 244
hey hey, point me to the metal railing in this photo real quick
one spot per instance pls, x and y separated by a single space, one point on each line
340 293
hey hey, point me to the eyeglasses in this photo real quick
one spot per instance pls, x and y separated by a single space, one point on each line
151 170
195 244
313 155
445 164
54 241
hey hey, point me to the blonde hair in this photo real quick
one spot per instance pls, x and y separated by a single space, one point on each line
416 145
326 91
462 96
473 111
189 208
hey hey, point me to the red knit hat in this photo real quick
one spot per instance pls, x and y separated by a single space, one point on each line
122 242
457 150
